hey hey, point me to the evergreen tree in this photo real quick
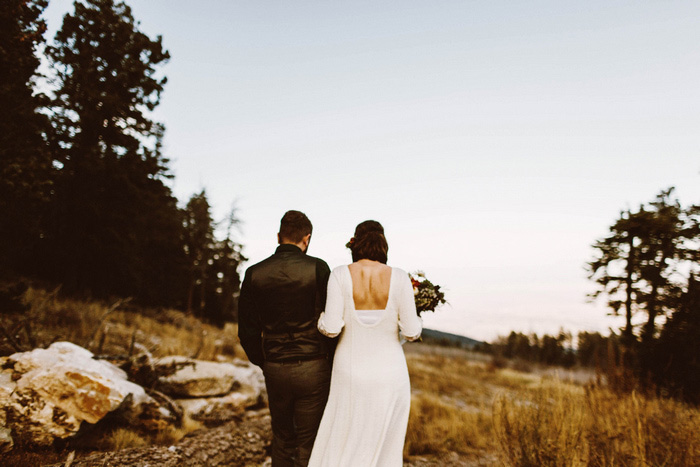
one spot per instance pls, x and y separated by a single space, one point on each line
616 268
592 349
25 163
115 227
677 351
214 281
644 264
663 249
199 247
224 272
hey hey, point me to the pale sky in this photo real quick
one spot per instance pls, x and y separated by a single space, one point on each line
494 140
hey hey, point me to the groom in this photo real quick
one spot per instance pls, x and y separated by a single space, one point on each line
280 302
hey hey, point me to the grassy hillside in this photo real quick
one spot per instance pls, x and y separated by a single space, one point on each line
466 410
117 328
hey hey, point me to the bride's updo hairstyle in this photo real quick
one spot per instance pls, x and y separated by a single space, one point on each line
369 242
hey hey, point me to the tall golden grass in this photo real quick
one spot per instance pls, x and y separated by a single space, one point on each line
116 330
481 411
436 426
556 424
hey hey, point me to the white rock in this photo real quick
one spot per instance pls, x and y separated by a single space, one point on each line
203 407
58 388
249 389
6 442
7 387
199 378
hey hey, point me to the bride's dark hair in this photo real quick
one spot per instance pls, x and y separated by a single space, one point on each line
369 242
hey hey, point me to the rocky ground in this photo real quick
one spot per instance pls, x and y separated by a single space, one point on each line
225 399
242 442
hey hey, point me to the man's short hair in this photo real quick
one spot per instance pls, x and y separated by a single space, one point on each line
294 227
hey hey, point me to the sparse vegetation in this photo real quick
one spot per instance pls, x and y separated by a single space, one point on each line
437 426
464 403
124 438
113 329
557 424
483 412
106 329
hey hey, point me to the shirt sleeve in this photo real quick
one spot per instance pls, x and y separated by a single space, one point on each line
410 323
331 321
249 325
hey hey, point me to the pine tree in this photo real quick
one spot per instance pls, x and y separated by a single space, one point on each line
115 225
663 249
677 352
199 246
616 268
225 279
25 162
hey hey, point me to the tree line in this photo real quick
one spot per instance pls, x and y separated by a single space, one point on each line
587 349
85 199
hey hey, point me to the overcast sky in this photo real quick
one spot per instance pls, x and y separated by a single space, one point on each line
496 141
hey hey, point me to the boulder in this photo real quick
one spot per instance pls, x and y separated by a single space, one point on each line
46 394
6 442
216 410
7 387
198 378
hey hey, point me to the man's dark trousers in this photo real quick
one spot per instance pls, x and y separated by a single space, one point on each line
297 394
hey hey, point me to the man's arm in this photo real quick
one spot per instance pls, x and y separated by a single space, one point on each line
323 272
249 326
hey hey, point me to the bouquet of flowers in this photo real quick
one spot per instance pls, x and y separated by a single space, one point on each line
427 295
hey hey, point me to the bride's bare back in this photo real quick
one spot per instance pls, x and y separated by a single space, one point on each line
370 284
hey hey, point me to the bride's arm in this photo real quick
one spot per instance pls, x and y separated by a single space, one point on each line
410 323
330 323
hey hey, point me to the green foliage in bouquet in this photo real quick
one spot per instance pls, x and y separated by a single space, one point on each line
427 295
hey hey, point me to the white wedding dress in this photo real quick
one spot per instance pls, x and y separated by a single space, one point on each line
364 423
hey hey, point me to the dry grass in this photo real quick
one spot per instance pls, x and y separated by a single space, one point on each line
634 430
172 435
559 424
474 383
104 329
125 438
542 428
436 427
483 412
461 403
450 408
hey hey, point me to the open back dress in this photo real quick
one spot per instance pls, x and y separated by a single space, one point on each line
364 423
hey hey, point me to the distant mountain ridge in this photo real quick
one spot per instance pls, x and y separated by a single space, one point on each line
439 337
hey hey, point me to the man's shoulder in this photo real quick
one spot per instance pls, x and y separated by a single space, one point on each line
319 262
274 260
259 265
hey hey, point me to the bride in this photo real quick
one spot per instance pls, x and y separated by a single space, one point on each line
364 423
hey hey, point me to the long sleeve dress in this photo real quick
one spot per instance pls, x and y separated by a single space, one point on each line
364 423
